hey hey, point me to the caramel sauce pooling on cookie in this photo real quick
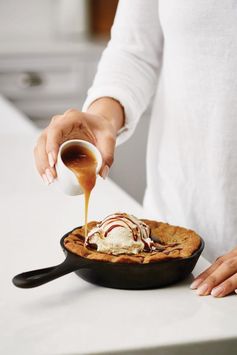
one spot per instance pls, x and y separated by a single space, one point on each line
83 164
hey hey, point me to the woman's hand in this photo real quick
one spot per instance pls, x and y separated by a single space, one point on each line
220 279
99 126
73 124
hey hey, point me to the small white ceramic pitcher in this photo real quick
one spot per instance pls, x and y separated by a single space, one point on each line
66 179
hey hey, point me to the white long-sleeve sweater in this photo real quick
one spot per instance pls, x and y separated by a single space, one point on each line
183 56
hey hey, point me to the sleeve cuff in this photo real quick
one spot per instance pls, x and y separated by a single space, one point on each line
131 111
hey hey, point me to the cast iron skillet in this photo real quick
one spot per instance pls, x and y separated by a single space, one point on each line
114 275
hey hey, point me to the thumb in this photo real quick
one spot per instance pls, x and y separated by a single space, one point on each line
106 147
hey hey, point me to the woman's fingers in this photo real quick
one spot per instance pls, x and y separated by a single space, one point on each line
222 273
220 279
200 278
226 287
41 160
71 125
74 125
53 140
62 127
78 126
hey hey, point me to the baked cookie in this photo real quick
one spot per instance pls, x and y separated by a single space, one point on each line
171 242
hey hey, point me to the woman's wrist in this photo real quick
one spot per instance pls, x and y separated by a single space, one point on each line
110 109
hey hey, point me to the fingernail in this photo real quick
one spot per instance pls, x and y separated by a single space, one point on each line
195 284
236 291
105 172
44 177
201 291
49 175
51 160
217 291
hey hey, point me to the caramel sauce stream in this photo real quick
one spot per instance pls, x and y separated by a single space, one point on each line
83 164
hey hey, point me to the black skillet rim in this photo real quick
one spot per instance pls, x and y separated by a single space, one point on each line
197 252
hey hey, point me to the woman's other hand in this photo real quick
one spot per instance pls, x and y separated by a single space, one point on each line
220 279
99 126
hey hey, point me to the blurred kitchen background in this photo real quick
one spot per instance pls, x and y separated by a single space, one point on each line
49 51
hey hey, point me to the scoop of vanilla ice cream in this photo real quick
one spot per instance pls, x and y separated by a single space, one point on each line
120 233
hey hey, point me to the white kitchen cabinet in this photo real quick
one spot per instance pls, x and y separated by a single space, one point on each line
49 78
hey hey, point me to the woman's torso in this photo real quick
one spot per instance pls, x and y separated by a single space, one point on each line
192 149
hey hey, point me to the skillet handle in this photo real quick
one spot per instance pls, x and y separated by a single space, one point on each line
39 277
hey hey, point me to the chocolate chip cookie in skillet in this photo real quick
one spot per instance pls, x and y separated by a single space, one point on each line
123 252
123 238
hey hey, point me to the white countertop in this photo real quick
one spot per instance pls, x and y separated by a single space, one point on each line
70 316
